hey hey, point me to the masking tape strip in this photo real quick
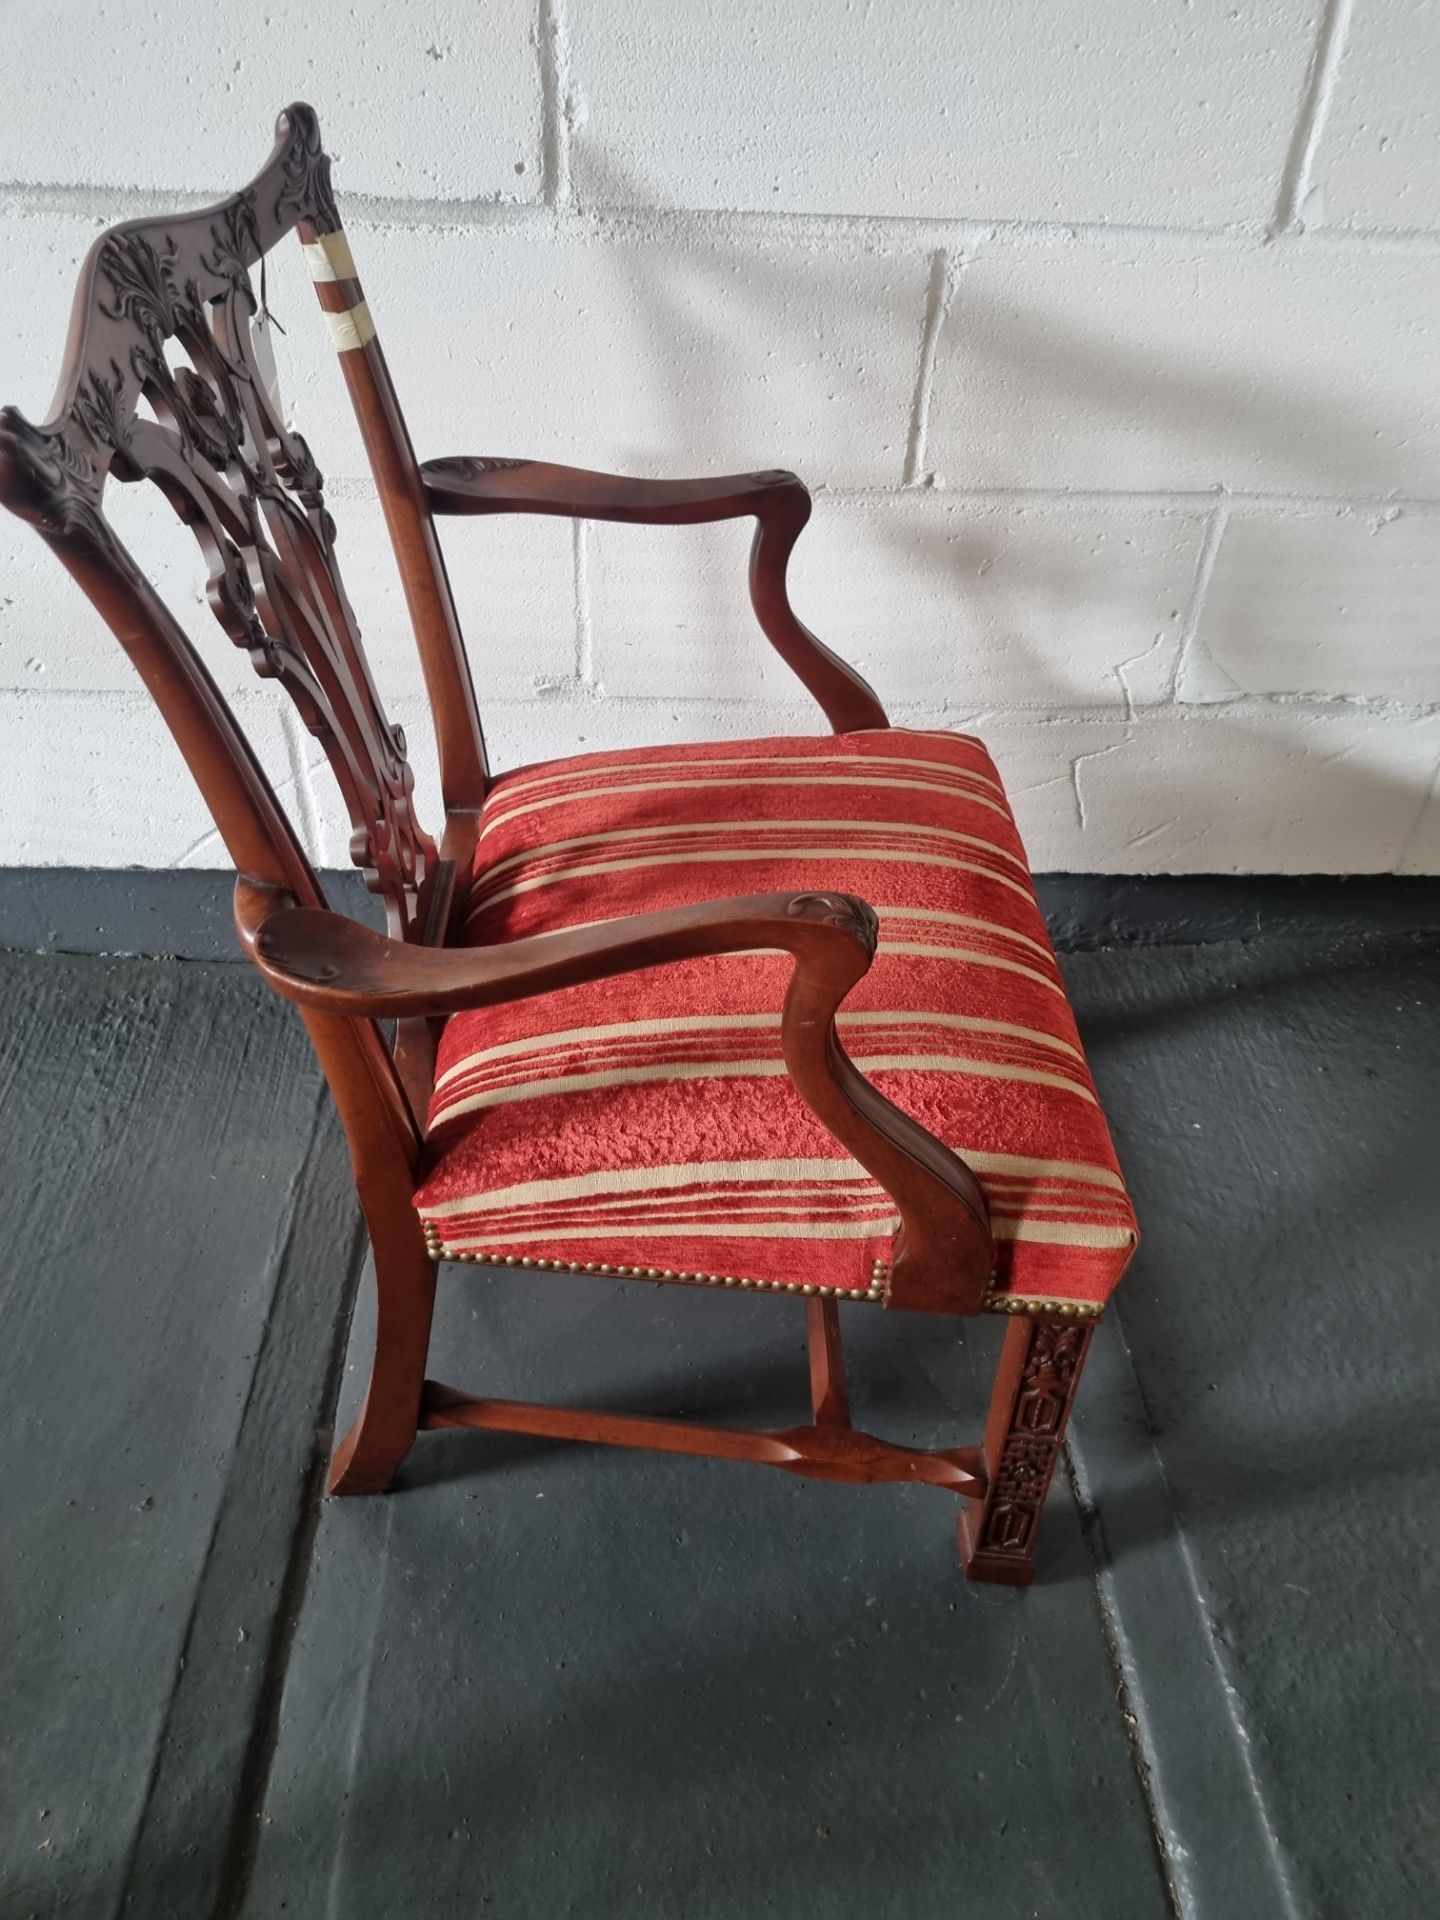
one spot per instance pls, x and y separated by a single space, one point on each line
328 257
350 329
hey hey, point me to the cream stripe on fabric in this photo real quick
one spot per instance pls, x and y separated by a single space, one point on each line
1043 1232
1025 1207
613 1218
328 257
638 1030
643 1179
791 1172
735 1202
1040 1232
520 783
1062 1233
688 829
707 1230
670 1072
769 1202
502 815
699 1198
730 855
919 950
966 1022
350 329
942 918
1019 1167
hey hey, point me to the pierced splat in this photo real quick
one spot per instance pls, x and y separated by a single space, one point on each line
175 383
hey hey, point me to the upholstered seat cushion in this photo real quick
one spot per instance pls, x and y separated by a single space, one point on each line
646 1124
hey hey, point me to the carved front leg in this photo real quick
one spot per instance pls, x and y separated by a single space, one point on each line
1034 1392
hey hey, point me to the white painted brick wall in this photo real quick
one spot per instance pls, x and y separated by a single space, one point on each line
1291 369
1379 167
1107 336
1335 601
154 93
969 608
1131 110
607 349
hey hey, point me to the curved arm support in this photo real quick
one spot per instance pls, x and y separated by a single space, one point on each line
328 964
778 502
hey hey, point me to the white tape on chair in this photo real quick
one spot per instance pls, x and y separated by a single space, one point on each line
350 329
328 257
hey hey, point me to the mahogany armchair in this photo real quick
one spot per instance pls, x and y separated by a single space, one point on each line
621 985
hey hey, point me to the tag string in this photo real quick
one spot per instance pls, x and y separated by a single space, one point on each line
265 314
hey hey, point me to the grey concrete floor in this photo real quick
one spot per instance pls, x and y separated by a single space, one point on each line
552 1681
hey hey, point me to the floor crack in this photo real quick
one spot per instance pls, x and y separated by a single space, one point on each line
244 1837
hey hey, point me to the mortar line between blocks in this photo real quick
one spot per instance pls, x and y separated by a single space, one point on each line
923 714
907 711
1190 626
584 632
1145 500
101 203
1319 90
937 305
552 49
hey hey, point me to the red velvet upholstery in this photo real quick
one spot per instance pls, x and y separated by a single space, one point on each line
646 1124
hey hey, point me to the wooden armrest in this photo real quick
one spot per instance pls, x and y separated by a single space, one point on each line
778 501
465 485
333 965
337 965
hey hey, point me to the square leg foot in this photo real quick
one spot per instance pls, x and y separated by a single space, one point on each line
999 1567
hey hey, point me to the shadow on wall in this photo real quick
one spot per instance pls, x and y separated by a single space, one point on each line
1108 769
1271 784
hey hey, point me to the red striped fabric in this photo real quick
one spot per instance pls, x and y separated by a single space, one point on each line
646 1124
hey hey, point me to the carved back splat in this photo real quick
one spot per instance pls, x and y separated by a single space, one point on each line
218 447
